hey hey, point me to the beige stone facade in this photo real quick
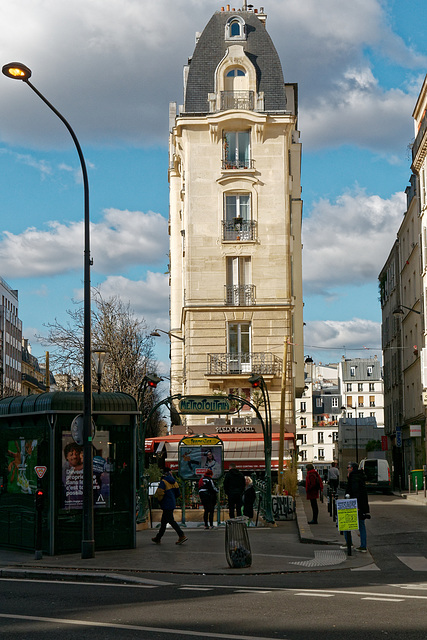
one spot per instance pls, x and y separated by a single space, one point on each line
235 226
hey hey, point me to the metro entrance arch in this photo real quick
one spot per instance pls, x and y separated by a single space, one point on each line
218 405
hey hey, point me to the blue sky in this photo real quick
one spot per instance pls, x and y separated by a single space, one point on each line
113 68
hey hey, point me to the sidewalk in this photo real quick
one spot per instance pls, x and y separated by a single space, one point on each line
276 549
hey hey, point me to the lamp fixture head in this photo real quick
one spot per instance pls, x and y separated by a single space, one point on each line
16 71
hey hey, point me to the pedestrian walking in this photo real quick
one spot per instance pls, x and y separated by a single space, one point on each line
234 486
333 477
356 488
167 492
249 496
208 493
313 484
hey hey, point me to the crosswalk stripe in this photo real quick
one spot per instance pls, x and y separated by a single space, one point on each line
416 563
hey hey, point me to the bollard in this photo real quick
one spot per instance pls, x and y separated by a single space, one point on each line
334 507
409 484
416 485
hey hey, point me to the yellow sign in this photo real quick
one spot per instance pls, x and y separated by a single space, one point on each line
202 441
347 515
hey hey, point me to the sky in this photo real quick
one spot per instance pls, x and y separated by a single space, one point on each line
111 68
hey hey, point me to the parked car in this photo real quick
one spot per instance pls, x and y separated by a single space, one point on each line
377 474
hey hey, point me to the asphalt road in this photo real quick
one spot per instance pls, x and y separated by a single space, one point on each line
386 599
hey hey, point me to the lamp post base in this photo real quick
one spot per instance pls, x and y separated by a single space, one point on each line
88 549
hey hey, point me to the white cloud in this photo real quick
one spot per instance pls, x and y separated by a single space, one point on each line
149 298
121 239
329 340
347 242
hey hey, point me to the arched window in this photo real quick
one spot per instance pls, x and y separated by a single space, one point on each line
235 29
235 72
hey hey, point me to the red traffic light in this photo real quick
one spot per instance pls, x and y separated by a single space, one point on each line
39 499
256 381
152 380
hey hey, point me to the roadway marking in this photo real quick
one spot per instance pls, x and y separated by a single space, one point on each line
416 563
132 627
82 583
315 595
195 589
416 586
386 599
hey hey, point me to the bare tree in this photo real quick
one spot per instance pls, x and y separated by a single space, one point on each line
124 337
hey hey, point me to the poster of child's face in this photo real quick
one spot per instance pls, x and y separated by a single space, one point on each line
72 476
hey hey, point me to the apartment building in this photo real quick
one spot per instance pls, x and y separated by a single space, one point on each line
10 341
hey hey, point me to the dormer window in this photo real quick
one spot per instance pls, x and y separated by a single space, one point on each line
235 29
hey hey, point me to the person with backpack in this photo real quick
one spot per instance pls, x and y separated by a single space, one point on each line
167 492
208 494
313 484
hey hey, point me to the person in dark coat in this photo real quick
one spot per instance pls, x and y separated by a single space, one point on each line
234 486
167 492
208 493
313 484
356 488
249 496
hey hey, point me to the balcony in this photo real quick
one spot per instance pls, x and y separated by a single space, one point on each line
220 364
234 164
238 230
237 100
240 295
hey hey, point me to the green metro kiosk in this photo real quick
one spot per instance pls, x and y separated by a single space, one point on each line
41 448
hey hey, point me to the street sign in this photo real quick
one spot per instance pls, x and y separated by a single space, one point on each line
40 470
398 437
197 454
204 404
347 514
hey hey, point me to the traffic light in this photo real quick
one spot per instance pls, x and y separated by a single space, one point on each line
39 499
256 381
152 380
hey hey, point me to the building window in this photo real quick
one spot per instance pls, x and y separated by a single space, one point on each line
320 437
349 389
360 386
349 401
321 454
353 371
372 401
303 406
335 436
239 340
238 218
304 439
303 422
303 455
334 403
372 414
361 414
369 371
360 401
372 386
235 29
238 290
319 402
236 150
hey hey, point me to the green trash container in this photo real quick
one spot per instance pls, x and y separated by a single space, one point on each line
419 475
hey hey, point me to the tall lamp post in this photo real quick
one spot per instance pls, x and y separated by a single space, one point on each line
19 71
149 381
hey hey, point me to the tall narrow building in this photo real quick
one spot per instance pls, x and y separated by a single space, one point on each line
235 220
10 342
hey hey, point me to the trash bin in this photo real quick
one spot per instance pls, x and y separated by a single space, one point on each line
419 475
237 547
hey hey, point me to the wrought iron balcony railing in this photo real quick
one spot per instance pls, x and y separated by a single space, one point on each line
240 295
237 164
238 230
263 363
237 100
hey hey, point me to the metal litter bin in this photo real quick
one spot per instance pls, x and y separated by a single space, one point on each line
237 547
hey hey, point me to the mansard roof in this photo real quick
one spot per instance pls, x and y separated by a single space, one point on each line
211 49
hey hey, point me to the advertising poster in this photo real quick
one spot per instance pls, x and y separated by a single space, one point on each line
195 459
347 514
72 476
21 461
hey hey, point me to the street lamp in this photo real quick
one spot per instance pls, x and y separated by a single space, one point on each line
344 409
399 310
98 356
19 71
156 334
258 382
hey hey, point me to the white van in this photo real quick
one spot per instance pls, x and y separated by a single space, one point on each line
377 474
